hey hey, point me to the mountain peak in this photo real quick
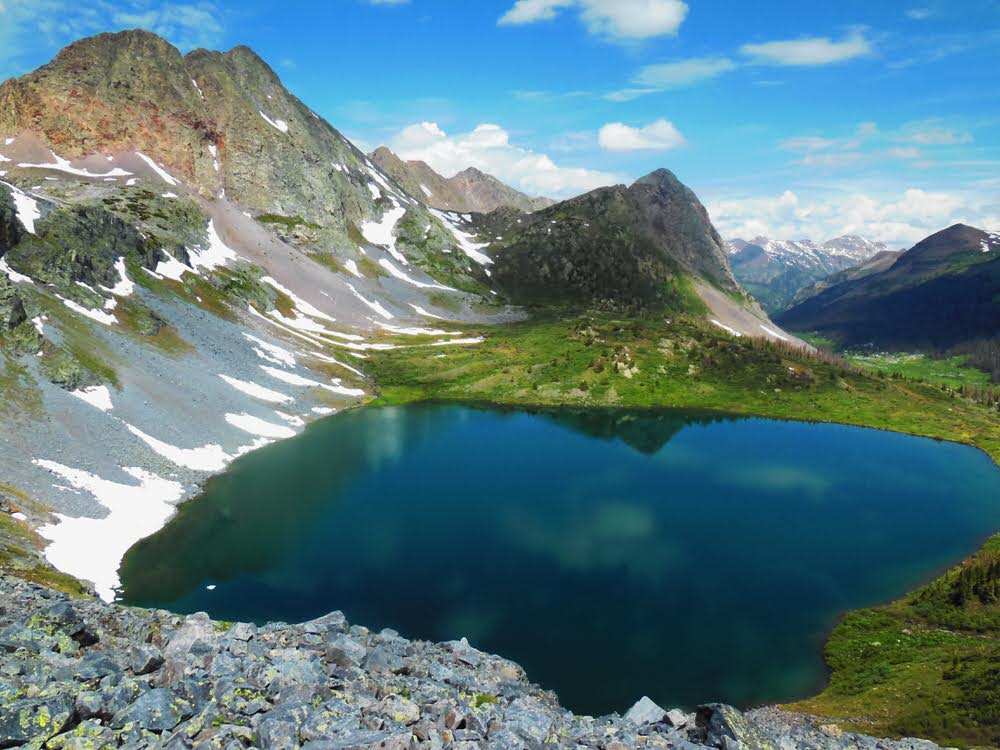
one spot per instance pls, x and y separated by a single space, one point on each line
661 177
469 191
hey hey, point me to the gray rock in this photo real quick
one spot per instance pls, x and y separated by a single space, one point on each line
645 712
143 658
384 658
89 704
159 710
96 666
34 719
679 719
344 651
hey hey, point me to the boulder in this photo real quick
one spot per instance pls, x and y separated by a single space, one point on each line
34 719
645 712
159 710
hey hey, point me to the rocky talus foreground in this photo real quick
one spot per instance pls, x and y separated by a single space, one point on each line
80 673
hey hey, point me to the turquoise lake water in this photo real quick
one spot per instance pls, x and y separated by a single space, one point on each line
613 554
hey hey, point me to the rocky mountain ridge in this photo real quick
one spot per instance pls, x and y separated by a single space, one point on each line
469 191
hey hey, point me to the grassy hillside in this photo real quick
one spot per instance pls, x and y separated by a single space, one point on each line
598 360
925 666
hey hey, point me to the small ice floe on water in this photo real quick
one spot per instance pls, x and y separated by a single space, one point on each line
210 587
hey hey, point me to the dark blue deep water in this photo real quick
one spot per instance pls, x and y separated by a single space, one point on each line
613 554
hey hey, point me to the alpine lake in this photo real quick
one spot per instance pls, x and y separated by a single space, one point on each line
613 554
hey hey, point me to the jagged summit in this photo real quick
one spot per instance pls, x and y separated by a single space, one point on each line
469 191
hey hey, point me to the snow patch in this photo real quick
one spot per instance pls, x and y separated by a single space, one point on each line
257 391
388 266
92 548
97 396
381 232
352 267
773 333
256 426
273 353
160 171
209 457
63 165
276 124
453 342
375 306
292 379
464 240
26 208
99 316
300 304
124 287
12 274
422 311
726 328
170 268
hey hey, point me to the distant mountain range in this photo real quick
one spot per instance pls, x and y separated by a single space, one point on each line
943 292
774 271
469 191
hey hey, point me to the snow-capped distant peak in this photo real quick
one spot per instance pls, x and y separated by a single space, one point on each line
851 247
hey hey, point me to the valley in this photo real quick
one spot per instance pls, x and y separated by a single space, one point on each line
250 370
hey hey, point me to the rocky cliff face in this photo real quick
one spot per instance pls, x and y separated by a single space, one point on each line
470 191
77 673
633 246
221 122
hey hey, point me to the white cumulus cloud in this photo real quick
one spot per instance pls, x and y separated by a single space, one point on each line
899 220
661 135
809 51
613 19
488 148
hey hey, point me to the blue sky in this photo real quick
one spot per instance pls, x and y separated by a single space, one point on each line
790 119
